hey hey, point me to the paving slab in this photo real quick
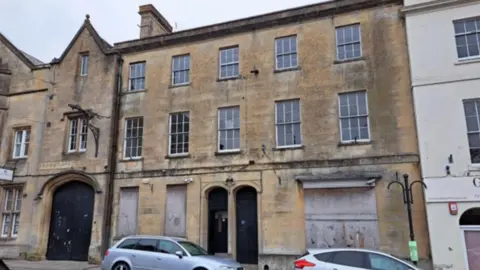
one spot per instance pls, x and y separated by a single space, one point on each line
49 265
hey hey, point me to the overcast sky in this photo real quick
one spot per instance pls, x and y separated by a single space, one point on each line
43 28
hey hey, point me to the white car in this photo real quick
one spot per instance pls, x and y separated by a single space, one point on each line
350 259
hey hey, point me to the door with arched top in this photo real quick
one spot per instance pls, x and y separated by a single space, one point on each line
218 221
247 226
470 224
71 222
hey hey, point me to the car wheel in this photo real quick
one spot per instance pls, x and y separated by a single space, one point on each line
121 266
200 268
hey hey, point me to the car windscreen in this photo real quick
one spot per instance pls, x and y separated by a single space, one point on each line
193 249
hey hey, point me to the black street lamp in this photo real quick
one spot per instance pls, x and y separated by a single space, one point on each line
408 200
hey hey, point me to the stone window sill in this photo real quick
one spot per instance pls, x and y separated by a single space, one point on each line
348 60
177 156
228 152
468 61
178 85
286 148
229 78
131 159
286 69
74 153
340 144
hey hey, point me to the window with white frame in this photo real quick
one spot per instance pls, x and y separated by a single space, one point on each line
229 129
12 203
84 64
286 52
77 136
472 115
181 69
229 64
349 45
287 115
21 143
467 37
133 137
137 76
179 133
353 111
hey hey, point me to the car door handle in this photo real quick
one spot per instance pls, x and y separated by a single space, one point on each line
159 259
133 256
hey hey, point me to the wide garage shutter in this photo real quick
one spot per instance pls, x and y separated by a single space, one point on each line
341 217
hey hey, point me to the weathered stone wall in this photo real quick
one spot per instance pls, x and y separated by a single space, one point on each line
382 71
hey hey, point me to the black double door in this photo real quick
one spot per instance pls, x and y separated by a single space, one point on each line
247 229
71 222
218 221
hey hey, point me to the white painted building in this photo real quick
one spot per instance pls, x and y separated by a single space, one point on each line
444 49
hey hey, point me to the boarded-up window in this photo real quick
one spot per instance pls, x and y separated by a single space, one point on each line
175 216
341 217
127 215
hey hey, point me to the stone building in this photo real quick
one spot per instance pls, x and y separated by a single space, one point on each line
260 137
53 208
445 86
255 138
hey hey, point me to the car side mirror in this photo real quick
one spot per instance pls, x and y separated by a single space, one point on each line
179 254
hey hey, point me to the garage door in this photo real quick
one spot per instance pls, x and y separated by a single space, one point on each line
341 217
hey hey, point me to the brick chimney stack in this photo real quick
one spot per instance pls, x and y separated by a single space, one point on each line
152 22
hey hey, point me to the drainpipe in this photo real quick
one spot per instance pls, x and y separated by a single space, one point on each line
112 160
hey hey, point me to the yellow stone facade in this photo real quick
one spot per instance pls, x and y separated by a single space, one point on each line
274 173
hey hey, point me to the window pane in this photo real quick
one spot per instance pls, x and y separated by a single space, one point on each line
474 140
128 244
170 247
6 221
16 224
8 200
349 258
472 123
18 200
289 134
470 26
475 155
380 262
459 27
297 135
281 135
280 113
346 134
147 245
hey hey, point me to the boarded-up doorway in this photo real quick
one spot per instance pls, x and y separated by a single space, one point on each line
341 217
127 214
176 211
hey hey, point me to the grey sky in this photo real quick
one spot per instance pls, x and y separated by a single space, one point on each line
43 28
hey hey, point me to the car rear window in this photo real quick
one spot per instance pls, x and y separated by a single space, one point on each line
128 244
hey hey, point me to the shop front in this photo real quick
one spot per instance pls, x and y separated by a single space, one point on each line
453 212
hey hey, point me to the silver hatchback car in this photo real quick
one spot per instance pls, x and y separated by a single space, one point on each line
145 252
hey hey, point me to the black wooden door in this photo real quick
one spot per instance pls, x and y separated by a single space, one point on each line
71 222
218 221
247 229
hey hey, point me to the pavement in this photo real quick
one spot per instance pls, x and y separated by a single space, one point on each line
49 265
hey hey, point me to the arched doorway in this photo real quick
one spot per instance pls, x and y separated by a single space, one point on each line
71 222
247 228
218 221
470 224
